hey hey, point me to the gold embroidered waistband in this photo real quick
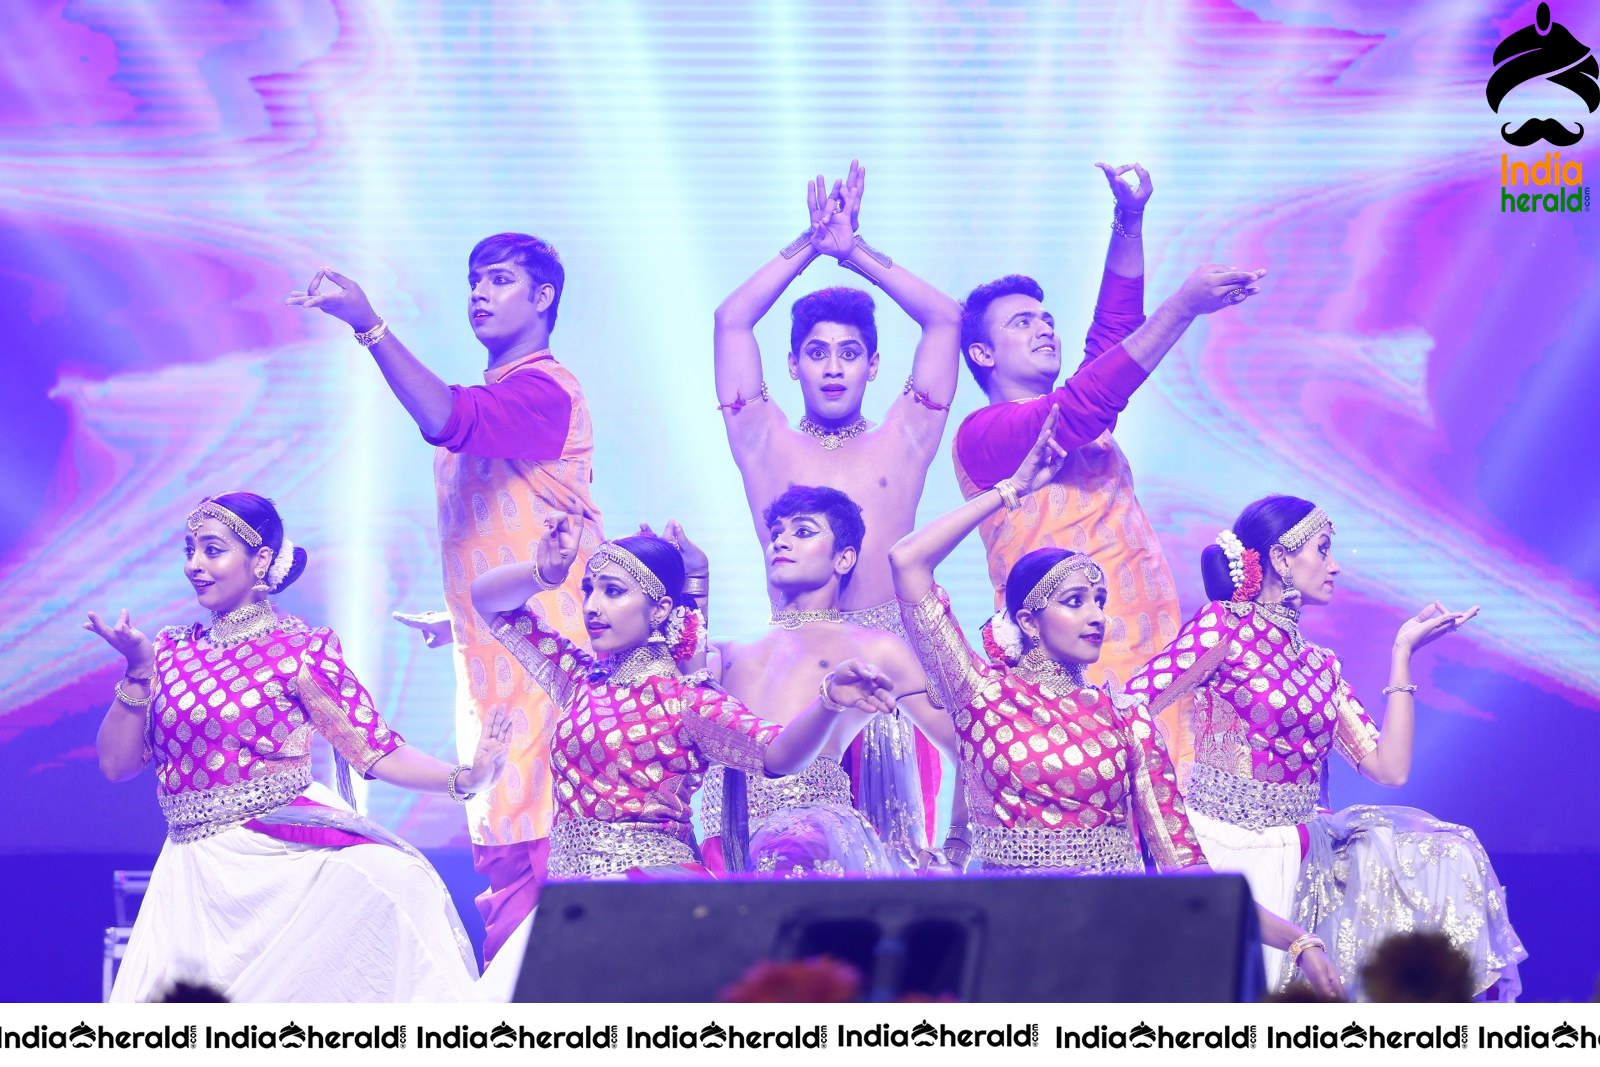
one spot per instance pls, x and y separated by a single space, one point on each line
822 782
196 814
1245 802
588 848
1095 850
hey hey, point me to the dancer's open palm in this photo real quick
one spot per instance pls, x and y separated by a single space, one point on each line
489 758
1430 624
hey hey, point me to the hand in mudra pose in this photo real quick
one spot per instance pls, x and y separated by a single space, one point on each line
1430 624
129 641
347 302
861 686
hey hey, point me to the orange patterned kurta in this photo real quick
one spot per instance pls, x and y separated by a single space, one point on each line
491 512
1091 508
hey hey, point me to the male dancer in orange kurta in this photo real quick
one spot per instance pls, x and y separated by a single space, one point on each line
1010 344
510 451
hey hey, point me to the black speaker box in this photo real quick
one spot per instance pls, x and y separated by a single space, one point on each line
1114 939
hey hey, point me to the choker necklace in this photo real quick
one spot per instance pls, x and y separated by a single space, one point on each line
1038 667
641 663
1286 614
794 618
831 439
242 624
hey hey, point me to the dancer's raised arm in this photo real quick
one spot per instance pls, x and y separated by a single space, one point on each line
736 356
1210 288
935 367
1125 255
1389 763
914 556
122 745
424 395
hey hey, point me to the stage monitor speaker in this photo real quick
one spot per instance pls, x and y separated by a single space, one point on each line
1007 940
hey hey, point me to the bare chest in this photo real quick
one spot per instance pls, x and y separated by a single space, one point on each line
778 677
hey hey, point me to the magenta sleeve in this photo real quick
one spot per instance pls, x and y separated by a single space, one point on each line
992 441
525 417
339 706
1118 311
724 731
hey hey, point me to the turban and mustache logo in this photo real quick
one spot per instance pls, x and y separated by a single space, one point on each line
1546 50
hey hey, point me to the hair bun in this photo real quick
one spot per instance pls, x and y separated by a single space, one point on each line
297 567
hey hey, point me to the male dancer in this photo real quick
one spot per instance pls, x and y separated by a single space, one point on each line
833 355
510 452
1010 345
806 824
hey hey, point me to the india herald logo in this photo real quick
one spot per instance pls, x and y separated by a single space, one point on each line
1546 50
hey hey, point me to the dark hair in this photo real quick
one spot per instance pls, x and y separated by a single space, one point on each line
1420 967
1027 572
180 992
976 306
262 515
533 255
843 515
664 561
841 304
1258 526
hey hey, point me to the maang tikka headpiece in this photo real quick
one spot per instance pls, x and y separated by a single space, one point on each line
629 564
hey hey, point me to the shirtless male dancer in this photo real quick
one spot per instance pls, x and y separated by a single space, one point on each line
806 825
833 355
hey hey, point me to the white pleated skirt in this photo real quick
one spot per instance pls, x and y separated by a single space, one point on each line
265 920
1270 862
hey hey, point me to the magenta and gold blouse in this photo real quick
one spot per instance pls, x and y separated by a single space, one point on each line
1052 768
229 729
1263 710
632 746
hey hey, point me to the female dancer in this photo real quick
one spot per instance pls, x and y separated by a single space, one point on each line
270 888
1051 764
1262 708
638 735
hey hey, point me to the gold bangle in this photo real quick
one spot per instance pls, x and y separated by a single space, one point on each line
1301 944
130 701
1009 496
540 580
697 585
828 703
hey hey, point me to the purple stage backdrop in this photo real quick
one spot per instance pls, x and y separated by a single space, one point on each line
1422 361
